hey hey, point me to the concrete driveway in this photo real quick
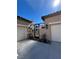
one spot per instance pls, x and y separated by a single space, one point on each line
30 49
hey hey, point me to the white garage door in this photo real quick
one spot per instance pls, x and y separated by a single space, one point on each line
56 32
21 33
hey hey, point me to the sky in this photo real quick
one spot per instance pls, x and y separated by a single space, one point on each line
35 9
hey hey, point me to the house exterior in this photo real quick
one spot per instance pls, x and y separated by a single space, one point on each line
53 22
23 21
22 28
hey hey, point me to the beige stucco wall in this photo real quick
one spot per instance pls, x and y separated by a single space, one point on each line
53 19
53 22
48 32
23 22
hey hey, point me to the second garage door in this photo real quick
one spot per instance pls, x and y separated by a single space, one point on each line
56 32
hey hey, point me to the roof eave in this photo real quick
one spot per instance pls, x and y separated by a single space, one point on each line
51 15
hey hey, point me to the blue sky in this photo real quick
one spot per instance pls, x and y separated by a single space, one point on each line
34 9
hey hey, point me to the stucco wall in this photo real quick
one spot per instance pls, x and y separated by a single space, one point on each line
53 19
23 22
48 32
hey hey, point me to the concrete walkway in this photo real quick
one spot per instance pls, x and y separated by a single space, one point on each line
35 50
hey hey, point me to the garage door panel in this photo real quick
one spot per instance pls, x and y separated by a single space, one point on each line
21 33
56 32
